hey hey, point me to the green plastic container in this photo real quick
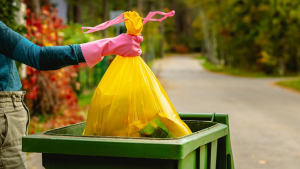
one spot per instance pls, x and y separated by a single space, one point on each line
207 147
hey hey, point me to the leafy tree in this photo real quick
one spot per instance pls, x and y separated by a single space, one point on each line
8 9
256 35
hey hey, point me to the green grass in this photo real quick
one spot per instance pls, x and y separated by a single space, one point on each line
85 98
230 71
292 84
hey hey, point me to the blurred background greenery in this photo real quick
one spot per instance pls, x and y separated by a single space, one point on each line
252 35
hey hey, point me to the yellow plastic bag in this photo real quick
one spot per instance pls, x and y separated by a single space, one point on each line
130 102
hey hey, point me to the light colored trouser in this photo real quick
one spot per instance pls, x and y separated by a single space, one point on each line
14 120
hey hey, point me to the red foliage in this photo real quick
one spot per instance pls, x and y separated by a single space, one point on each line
225 32
181 48
50 92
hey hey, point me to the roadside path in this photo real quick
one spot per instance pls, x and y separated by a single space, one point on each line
264 118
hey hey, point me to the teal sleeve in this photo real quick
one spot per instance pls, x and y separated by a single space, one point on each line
47 58
18 48
8 40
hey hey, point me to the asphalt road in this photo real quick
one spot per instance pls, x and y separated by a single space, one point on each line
264 118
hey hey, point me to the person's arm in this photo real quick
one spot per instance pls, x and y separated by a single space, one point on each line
18 48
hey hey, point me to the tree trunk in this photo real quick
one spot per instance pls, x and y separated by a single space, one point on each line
147 54
281 66
140 7
209 39
36 6
206 35
220 43
77 13
129 5
281 58
188 22
105 11
74 13
69 13
162 32
213 45
140 12
92 10
298 60
176 18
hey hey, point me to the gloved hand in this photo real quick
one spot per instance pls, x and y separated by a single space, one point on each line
123 45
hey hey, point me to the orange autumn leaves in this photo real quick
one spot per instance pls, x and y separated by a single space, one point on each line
50 94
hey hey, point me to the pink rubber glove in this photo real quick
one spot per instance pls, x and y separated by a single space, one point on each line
123 45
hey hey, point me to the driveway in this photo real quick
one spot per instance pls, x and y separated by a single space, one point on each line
264 118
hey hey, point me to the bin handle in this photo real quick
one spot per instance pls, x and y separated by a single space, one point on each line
213 117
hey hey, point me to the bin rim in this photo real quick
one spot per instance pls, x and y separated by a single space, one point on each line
123 147
51 132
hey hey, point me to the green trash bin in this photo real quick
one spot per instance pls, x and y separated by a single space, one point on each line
207 147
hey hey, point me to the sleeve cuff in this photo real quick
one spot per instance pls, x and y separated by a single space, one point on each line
79 54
